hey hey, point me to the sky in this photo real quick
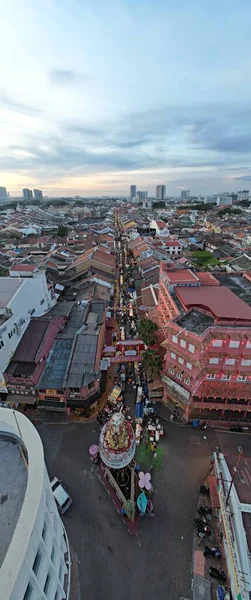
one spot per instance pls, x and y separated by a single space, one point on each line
97 95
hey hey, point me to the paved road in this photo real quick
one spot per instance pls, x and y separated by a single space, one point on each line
114 565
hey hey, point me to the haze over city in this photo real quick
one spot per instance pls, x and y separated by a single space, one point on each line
98 95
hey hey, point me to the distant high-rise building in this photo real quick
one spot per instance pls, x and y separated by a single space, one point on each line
142 195
3 193
185 194
133 192
27 194
160 192
38 194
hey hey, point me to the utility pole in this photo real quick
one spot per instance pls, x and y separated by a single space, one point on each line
235 469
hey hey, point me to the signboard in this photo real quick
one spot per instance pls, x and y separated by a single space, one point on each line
130 353
124 359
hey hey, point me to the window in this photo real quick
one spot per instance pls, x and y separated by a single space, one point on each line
210 376
230 361
173 355
241 378
246 363
187 381
181 360
56 597
42 301
37 562
234 344
183 343
214 360
52 554
171 371
188 364
225 377
248 344
174 339
1 344
76 390
47 583
91 385
217 343
28 592
191 348
60 573
179 375
11 333
32 310
44 531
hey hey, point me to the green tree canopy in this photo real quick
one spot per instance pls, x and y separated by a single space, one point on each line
62 231
152 363
147 330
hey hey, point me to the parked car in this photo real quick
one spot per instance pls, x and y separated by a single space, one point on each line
4 404
62 497
236 428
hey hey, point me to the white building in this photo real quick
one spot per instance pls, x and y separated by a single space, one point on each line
34 550
235 521
224 200
160 227
20 298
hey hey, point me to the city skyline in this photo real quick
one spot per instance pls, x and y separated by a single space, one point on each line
84 118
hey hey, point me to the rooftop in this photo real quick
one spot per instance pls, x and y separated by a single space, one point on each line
13 482
8 288
56 365
31 340
220 301
181 276
195 321
237 284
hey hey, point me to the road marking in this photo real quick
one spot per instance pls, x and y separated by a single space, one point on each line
195 439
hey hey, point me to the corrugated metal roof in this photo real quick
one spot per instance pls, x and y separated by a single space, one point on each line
55 368
83 361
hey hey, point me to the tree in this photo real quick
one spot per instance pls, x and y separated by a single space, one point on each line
152 363
62 231
147 330
129 508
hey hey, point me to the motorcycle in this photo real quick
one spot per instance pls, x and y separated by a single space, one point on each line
205 491
217 574
204 510
203 531
201 522
212 552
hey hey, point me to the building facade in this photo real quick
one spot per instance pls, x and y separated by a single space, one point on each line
160 192
3 193
20 299
133 192
35 556
38 194
27 194
206 329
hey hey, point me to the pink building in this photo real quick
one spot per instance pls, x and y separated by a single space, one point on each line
206 325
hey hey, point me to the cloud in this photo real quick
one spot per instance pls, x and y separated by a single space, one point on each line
243 178
65 77
13 105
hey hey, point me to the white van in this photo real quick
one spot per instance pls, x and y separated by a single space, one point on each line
62 497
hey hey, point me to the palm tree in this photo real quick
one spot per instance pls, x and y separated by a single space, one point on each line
147 330
152 363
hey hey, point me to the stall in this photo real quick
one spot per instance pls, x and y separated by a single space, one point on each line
115 398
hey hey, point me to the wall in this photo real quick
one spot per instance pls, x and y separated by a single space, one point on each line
27 298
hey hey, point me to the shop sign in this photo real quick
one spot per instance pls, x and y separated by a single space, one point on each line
130 352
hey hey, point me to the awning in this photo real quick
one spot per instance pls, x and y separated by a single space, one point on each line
21 399
213 491
139 410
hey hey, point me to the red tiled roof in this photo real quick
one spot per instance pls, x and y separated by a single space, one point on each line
220 301
161 224
172 243
23 267
181 276
207 278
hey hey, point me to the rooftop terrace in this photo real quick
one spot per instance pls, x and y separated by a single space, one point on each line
13 481
195 321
